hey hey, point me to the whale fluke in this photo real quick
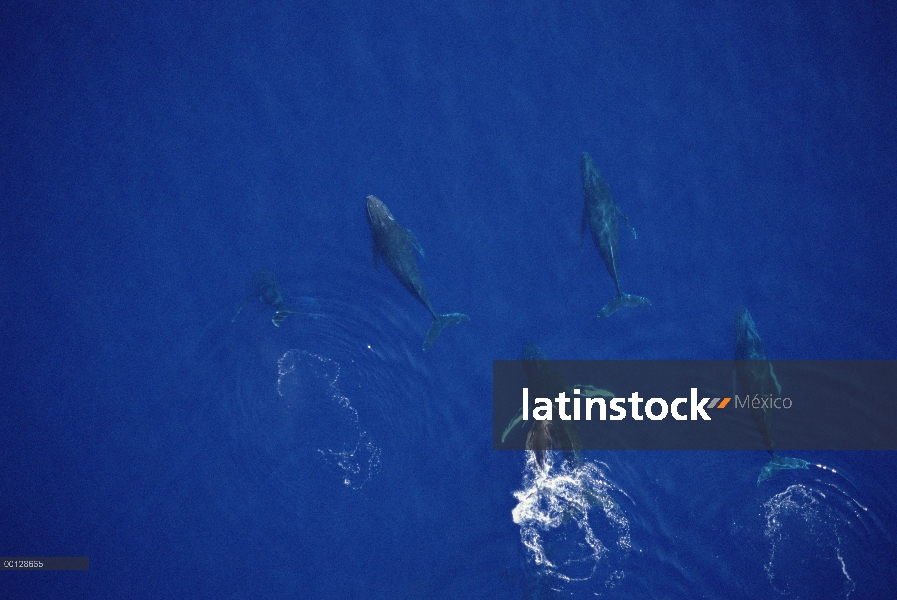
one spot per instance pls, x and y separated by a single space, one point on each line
622 301
780 463
280 315
440 323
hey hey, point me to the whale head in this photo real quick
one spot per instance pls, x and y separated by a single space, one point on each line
378 215
748 344
590 173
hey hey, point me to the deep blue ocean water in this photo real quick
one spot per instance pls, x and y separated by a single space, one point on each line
155 156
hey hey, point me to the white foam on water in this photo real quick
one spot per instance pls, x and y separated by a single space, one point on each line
805 545
325 416
573 529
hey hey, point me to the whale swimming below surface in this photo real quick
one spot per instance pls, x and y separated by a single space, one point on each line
600 215
551 435
266 288
396 245
755 375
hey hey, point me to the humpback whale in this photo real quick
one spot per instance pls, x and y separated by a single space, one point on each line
395 245
755 375
265 287
545 382
600 215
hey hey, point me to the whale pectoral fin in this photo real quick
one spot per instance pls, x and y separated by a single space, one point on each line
512 424
413 241
775 379
239 310
625 220
590 391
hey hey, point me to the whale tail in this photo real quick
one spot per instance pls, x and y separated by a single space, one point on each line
280 315
780 463
440 322
622 301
